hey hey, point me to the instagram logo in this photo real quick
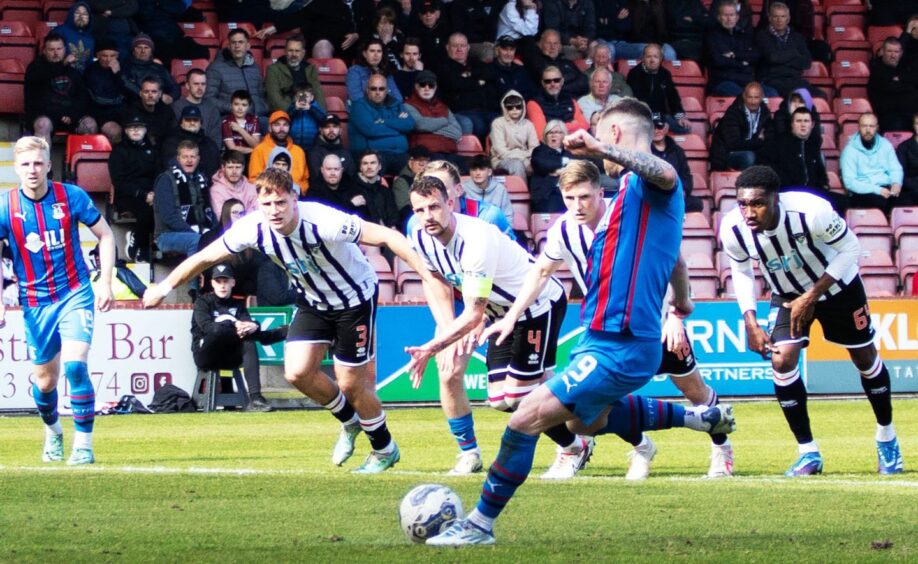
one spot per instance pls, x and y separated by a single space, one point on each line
140 383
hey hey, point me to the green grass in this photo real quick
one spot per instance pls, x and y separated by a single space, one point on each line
255 487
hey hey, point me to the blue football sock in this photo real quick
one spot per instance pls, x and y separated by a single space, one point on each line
633 415
82 396
507 472
463 430
47 404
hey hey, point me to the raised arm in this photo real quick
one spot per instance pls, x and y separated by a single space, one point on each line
197 263
649 167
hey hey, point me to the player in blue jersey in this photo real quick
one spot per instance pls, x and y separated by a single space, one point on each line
40 221
635 249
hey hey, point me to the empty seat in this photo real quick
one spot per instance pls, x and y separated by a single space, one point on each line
407 280
335 105
26 11
848 72
877 33
181 67
86 162
539 223
904 221
842 37
516 187
469 146
869 220
880 276
696 224
17 41
12 79
715 106
699 246
56 10
723 184
686 72
897 137
332 73
722 264
693 145
850 109
818 75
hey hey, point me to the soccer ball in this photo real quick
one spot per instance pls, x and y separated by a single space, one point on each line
428 510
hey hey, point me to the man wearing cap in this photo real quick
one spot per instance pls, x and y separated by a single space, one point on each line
105 88
133 166
290 71
435 126
234 69
152 110
141 65
666 148
189 128
432 32
279 136
510 74
196 86
223 334
418 158
328 142
380 122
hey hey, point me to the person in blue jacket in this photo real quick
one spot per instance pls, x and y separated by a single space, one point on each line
380 122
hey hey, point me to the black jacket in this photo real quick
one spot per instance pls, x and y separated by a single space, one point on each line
561 107
133 167
213 324
460 86
513 77
576 83
159 122
340 198
657 90
570 22
543 187
782 61
380 203
681 29
908 156
891 90
209 151
54 90
674 155
798 162
322 149
741 67
477 19
732 131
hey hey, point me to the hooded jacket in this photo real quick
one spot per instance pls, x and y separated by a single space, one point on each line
133 167
867 171
435 127
798 162
379 126
222 190
224 77
54 90
512 139
494 193
79 42
261 157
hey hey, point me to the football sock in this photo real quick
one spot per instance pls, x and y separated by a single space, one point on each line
809 446
342 409
562 436
82 440
886 433
47 409
82 396
508 472
633 415
463 430
713 399
378 433
875 382
791 394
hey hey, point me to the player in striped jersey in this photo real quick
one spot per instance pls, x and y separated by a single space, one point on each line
632 257
488 268
40 220
568 241
809 258
318 247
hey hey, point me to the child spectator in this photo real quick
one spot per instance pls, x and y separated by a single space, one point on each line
305 116
241 131
482 186
513 137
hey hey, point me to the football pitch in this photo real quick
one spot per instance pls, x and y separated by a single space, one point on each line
244 487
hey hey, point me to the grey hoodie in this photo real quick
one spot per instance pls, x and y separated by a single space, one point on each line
494 193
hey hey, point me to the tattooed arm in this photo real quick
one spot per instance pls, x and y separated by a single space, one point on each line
652 169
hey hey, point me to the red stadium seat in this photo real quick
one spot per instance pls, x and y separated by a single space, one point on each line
704 280
387 283
876 242
17 41
515 185
521 217
699 246
408 281
850 109
715 106
723 184
12 79
853 56
870 220
26 11
835 183
540 222
624 66
581 64
700 186
846 38
847 19
693 145
42 29
695 224
844 7
56 10
181 68
722 264
332 73
335 105
696 92
847 73
877 33
203 34
848 129
880 276
224 29
818 75
686 72
897 137
469 146
86 162
904 221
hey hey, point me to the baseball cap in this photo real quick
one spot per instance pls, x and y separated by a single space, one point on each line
658 121
191 112
330 119
134 119
279 114
429 6
425 77
506 41
224 270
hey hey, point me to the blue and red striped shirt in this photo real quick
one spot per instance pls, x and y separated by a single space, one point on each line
45 242
632 257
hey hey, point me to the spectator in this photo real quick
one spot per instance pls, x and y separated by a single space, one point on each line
743 13
653 84
281 159
890 12
893 93
575 21
551 103
547 161
279 136
380 122
113 19
196 85
235 69
483 187
133 166
189 129
469 87
626 26
141 65
305 115
329 141
79 42
797 157
240 129
55 95
601 58
548 53
800 97
518 19
510 75
909 40
742 131
381 207
332 187
323 49
155 113
664 147
870 170
907 152
160 20
477 21
687 21
410 67
392 39
418 157
785 56
730 53
289 71
371 60
104 87
600 93
513 137
341 22
180 207
435 126
230 183
432 33
224 335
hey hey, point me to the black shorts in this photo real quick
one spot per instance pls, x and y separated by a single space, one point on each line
679 363
351 333
845 318
532 348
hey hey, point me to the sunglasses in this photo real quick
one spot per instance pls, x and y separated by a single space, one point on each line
377 89
552 80
514 106
427 84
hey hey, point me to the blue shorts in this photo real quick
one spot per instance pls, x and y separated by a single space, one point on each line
70 319
604 368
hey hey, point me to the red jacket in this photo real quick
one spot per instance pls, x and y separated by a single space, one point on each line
434 142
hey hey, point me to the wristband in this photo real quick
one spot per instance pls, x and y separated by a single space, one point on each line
163 289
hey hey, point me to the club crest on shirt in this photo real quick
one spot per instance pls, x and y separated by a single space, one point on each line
57 210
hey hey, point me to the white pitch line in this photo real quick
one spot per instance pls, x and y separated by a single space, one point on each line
843 480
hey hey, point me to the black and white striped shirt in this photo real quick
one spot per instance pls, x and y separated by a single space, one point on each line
321 256
809 241
481 251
